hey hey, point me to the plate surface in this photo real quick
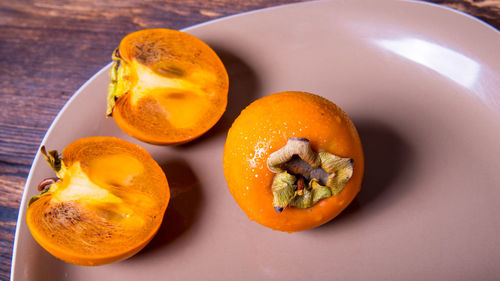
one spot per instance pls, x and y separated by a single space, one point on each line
421 84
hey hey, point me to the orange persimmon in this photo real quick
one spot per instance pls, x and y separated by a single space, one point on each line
293 161
107 203
167 87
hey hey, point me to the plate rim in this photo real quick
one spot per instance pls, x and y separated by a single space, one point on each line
22 205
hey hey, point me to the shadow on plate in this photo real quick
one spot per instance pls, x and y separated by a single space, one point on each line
243 88
387 157
186 200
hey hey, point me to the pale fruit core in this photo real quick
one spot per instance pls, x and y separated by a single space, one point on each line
182 101
106 190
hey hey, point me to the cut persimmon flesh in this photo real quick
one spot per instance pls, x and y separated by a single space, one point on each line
293 161
167 87
106 204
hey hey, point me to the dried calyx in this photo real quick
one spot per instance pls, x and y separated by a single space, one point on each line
304 177
119 84
55 162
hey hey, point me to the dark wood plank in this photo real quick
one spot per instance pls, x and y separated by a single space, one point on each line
48 49
486 10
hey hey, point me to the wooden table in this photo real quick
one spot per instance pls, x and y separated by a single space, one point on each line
48 49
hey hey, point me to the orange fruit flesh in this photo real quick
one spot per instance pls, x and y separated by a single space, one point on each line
178 87
107 206
264 127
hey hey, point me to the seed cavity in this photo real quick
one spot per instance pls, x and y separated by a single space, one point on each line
170 71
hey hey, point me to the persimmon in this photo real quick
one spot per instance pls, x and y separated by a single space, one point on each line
167 86
107 203
293 161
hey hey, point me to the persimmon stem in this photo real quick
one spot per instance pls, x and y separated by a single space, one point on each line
294 146
44 184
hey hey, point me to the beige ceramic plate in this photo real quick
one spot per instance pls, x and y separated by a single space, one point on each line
422 85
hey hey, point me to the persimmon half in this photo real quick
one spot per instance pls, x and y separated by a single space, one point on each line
293 161
167 86
107 203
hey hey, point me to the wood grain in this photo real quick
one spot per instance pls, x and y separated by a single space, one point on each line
50 48
486 10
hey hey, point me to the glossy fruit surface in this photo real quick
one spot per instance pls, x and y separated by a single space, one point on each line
167 87
106 205
266 126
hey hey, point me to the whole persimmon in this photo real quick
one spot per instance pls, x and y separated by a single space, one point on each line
293 161
167 86
106 204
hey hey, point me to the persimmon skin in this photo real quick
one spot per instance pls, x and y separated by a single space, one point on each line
151 184
186 59
264 127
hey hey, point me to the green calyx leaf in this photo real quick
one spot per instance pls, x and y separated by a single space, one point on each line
302 201
311 195
119 85
36 197
33 199
56 163
319 191
285 192
339 169
52 158
44 187
283 188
